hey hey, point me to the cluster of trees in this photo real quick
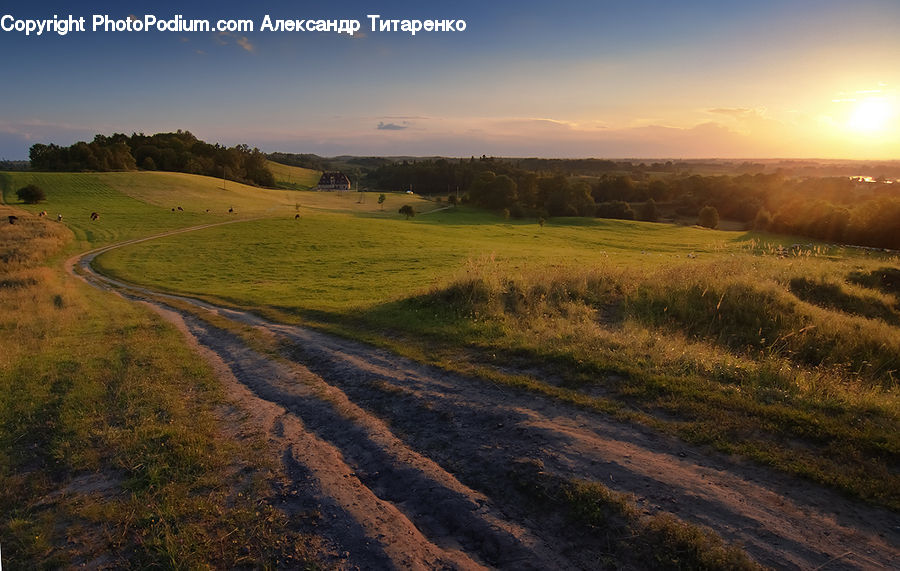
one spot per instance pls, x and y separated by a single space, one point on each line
509 185
873 222
835 209
14 165
303 160
180 152
343 163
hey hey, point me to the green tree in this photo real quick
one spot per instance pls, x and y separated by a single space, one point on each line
615 209
708 217
649 212
381 199
492 191
407 211
31 194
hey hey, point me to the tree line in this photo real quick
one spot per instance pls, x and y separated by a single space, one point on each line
179 152
835 209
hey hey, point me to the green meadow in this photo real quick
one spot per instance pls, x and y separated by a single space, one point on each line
789 356
112 447
735 341
344 263
138 204
294 178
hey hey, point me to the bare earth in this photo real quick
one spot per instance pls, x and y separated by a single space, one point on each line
400 465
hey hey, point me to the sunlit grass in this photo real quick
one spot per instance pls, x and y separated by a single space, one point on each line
335 262
787 356
720 352
294 178
137 204
111 448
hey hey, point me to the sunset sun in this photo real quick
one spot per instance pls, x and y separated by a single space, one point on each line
871 115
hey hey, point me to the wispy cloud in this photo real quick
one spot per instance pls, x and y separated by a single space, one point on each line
245 43
740 112
382 126
226 38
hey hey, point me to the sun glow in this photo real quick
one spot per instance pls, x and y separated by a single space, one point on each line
871 115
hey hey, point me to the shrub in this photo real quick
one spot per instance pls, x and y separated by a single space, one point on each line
649 212
708 217
517 211
31 194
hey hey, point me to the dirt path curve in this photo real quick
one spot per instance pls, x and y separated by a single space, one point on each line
408 466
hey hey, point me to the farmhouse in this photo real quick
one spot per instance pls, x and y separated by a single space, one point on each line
333 181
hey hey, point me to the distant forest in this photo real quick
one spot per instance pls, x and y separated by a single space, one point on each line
831 208
805 198
179 152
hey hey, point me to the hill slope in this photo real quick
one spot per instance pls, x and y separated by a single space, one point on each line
293 178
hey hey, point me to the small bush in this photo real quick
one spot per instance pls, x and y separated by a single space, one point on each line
518 211
708 217
649 212
31 194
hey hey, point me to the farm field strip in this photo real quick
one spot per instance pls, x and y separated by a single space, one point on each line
479 431
338 262
133 204
297 178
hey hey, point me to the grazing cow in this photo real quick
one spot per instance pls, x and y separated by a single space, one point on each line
95 216
180 209
231 210
296 217
173 210
42 213
59 217
207 209
12 219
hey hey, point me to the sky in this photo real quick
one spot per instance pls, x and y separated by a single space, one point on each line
637 79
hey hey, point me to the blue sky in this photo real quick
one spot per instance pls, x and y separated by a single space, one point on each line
613 79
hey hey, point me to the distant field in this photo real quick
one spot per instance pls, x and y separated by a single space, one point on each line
134 204
76 196
340 262
294 178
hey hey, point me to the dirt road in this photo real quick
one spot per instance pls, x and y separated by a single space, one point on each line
401 465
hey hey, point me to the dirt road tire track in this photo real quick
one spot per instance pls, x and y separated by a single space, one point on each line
371 440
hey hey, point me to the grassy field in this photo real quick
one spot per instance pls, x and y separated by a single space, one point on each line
294 178
136 204
342 263
112 447
787 357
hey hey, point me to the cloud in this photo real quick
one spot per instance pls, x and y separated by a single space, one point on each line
17 136
382 126
245 43
226 38
736 112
